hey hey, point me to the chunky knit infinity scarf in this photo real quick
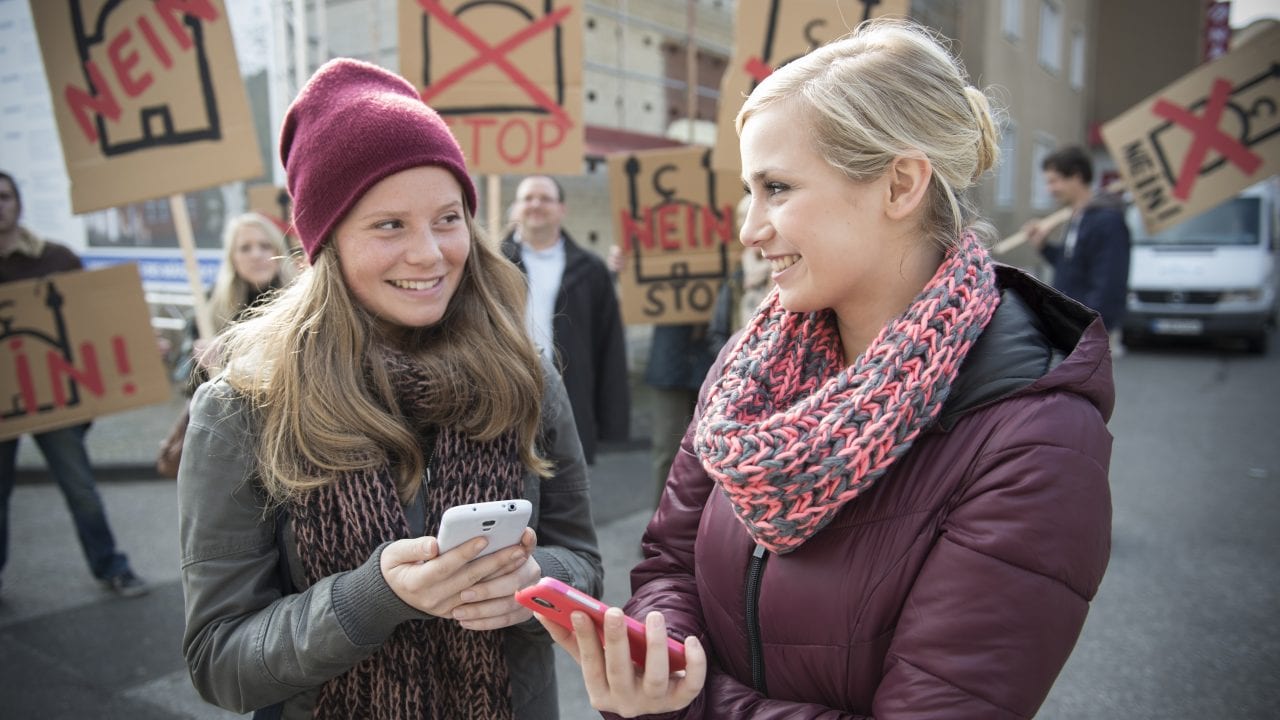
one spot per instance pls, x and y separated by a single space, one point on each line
428 669
791 434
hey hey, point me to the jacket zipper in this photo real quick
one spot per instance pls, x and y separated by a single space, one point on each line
754 573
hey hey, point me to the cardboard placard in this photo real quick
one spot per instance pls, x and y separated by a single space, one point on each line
506 75
676 226
271 201
148 98
76 345
1203 138
771 33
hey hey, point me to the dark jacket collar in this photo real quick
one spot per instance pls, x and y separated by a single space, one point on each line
1035 332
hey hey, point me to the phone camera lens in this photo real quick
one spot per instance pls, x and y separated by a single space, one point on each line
544 603
511 507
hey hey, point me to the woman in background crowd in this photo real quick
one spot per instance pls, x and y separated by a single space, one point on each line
255 262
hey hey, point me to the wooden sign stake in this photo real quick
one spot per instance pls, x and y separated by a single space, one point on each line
187 241
493 190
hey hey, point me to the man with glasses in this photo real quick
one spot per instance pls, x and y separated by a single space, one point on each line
572 313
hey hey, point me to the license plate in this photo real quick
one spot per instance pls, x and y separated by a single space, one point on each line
1177 326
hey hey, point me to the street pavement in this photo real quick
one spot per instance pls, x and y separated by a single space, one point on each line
1185 624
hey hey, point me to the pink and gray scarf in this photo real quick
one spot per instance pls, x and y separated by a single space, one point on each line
791 434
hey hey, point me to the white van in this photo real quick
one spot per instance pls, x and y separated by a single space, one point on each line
1211 276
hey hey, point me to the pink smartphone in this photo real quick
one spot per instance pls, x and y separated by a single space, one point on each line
554 600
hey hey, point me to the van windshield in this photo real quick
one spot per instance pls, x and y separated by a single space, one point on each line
1234 222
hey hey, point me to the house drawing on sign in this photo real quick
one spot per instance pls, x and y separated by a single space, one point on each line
654 265
1247 112
99 36
24 402
515 91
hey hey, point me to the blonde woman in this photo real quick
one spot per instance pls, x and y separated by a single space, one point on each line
390 381
255 262
893 500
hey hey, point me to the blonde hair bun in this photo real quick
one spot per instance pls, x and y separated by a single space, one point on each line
989 140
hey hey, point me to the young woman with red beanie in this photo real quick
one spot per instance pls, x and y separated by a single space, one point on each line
893 499
391 380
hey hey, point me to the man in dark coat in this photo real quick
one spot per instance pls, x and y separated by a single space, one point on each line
1091 266
572 313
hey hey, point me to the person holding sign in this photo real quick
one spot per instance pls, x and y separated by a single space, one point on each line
893 501
390 381
23 256
1092 262
573 313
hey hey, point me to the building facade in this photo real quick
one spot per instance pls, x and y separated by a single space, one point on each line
1058 68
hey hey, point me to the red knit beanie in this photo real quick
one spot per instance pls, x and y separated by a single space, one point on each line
352 125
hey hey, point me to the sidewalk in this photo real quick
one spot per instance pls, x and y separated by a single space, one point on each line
69 649
122 446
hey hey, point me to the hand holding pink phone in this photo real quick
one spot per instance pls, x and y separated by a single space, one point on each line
555 600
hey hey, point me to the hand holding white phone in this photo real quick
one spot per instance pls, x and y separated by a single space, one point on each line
501 522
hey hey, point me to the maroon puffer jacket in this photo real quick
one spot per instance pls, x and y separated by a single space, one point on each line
955 587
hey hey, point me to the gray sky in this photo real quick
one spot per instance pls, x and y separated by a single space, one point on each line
1244 12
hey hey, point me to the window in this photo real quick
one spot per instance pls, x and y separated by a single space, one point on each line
1007 174
1077 59
1011 18
1050 36
1043 147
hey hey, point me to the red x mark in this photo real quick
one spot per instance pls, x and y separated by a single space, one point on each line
496 55
1206 136
758 68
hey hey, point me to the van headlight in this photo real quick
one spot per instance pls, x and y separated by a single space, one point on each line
1232 296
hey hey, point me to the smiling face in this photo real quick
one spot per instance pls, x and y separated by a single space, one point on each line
254 257
825 236
538 208
402 248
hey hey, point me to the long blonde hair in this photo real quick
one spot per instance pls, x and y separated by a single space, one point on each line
311 363
889 89
230 291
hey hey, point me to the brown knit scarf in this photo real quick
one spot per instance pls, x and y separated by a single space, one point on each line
428 669
790 433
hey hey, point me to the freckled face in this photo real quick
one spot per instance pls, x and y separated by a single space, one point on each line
402 248
823 234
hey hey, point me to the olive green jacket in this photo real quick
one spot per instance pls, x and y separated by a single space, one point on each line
249 644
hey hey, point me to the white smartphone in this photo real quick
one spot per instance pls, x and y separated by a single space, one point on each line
500 521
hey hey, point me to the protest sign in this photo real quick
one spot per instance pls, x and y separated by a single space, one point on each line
506 75
769 34
1203 138
148 98
676 228
271 201
76 345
